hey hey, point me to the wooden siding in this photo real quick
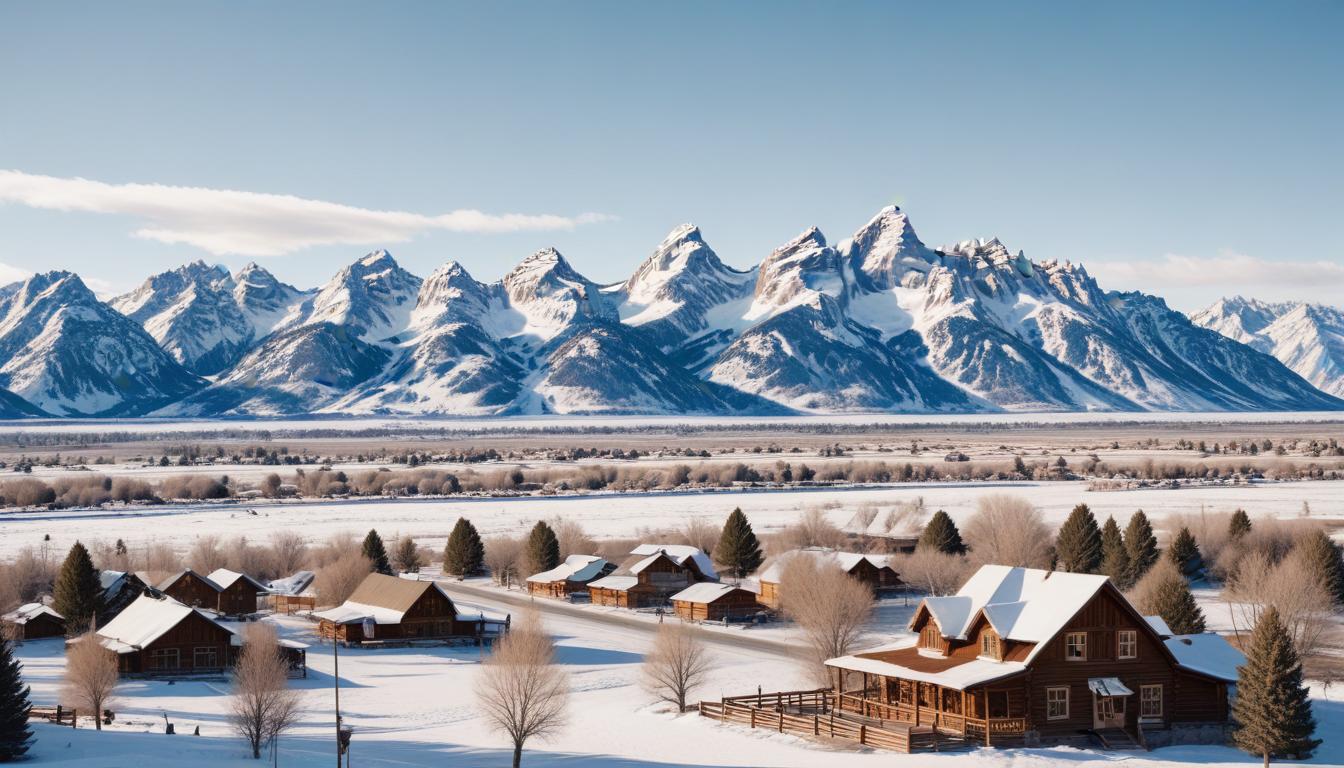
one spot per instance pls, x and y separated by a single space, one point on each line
734 604
432 616
42 625
176 651
239 598
192 589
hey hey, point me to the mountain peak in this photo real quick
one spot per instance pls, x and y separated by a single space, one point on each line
884 248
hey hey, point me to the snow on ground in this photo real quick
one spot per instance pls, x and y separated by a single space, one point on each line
414 706
613 515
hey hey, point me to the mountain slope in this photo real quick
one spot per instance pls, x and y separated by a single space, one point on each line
1307 338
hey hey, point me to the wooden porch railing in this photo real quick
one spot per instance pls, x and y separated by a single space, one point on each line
824 721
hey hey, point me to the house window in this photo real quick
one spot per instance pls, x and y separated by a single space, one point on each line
1056 703
1129 644
204 656
164 658
989 645
1150 701
931 637
1075 646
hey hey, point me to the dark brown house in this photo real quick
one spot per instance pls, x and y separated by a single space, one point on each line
237 592
119 589
390 608
33 621
873 570
711 601
191 588
651 575
1024 656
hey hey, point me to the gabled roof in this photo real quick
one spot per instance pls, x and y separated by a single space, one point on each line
224 578
385 599
575 568
293 584
614 582
846 560
706 592
171 580
679 554
146 620
29 611
108 579
1159 625
903 659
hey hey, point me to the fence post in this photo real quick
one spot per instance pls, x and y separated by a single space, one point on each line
816 725
863 733
74 718
781 721
753 717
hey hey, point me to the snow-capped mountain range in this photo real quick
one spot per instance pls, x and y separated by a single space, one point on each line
1308 338
876 322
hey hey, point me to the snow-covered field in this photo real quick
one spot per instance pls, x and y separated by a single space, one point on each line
414 707
623 515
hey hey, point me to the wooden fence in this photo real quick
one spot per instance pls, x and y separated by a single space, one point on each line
767 710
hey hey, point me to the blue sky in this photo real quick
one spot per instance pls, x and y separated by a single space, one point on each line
1187 149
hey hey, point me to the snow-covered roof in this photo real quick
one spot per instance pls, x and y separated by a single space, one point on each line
107 579
1206 653
146 620
171 580
29 611
1023 604
617 583
385 599
949 672
224 578
705 592
575 568
1159 625
293 584
680 553
846 560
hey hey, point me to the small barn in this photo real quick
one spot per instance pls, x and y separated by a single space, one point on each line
873 570
237 592
32 622
651 575
384 608
191 588
119 589
291 594
571 576
711 601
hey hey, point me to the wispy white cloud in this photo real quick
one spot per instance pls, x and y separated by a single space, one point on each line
12 274
1204 278
225 221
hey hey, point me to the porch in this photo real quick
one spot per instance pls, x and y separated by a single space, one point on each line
994 715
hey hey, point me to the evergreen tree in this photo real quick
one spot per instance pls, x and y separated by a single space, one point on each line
1140 545
1239 525
1272 711
77 590
942 534
1327 562
465 552
543 548
377 553
1171 599
15 737
1184 552
1114 556
738 549
1078 546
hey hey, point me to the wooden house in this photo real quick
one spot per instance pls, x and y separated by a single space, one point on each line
237 592
191 588
159 635
387 608
32 621
873 570
119 589
1024 656
291 594
569 577
711 601
651 575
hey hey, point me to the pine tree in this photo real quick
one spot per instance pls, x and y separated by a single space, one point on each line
1184 552
1239 525
77 590
942 535
465 552
377 553
1171 599
1140 545
1114 556
543 548
1078 546
15 737
1272 711
1327 562
738 549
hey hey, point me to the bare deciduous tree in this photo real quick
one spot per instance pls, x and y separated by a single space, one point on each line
813 529
521 691
1007 530
701 533
1292 586
90 676
502 554
289 552
936 573
206 554
573 539
263 706
829 607
336 580
677 663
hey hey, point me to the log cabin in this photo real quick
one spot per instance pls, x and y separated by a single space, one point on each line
191 588
711 601
1025 656
292 594
873 570
387 608
237 592
32 621
570 577
157 635
651 575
